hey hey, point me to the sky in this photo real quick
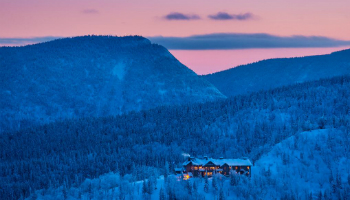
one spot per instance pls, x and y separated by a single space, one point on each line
211 61
190 24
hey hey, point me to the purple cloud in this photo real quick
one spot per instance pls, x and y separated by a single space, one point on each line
226 16
180 16
90 11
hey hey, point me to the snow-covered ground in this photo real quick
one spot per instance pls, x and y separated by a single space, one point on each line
307 165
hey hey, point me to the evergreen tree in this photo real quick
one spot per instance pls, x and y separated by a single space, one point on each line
161 194
166 169
195 186
233 178
188 187
145 187
150 187
214 183
320 196
221 194
206 184
338 181
65 193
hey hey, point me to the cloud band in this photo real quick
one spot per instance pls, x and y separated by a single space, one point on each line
216 41
245 41
24 41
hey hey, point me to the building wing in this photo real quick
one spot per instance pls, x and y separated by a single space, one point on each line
220 162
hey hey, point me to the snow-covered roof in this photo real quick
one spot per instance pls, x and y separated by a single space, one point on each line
178 169
221 162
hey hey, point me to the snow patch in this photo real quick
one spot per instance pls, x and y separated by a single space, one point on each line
162 92
119 70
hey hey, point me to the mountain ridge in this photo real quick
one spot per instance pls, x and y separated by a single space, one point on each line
277 72
93 76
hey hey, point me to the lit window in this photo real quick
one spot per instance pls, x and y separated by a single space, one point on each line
248 167
236 167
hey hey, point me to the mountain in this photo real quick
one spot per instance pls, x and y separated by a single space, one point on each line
139 145
92 76
273 73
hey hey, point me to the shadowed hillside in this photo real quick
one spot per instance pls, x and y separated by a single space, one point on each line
92 76
273 73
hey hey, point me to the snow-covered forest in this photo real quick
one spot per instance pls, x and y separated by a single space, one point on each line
297 137
92 76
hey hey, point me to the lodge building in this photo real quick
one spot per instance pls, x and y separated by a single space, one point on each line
208 166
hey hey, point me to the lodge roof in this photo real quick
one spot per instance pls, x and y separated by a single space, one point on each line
220 162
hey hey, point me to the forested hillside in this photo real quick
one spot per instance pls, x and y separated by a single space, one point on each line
308 165
273 73
92 76
152 142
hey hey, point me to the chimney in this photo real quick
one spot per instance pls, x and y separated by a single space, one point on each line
190 158
206 157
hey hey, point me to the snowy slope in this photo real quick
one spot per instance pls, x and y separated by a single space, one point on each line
308 163
273 73
113 186
92 76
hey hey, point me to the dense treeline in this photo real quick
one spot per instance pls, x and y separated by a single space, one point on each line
67 152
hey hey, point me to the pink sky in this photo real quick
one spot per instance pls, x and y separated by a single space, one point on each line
37 18
210 61
23 18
